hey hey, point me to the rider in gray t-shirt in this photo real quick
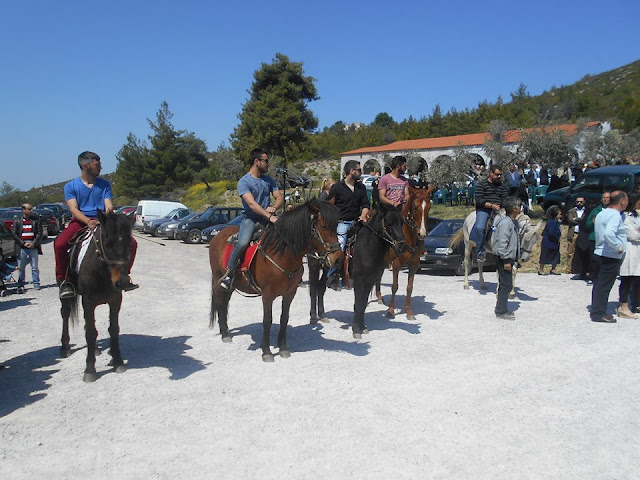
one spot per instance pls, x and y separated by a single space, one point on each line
255 188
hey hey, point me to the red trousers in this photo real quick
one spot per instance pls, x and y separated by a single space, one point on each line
61 247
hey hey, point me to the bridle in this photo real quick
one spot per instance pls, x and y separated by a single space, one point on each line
385 235
327 248
100 251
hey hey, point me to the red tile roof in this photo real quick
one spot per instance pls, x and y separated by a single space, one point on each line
511 136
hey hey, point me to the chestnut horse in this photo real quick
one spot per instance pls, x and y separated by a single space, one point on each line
99 281
276 269
415 214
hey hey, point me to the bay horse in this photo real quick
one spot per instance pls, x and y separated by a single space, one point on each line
99 281
369 251
276 268
415 214
527 232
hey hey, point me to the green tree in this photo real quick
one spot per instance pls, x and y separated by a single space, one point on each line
384 120
276 116
546 146
173 159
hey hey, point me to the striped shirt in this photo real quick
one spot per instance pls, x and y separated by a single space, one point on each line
27 231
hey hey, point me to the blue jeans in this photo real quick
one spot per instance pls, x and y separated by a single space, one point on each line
28 255
245 232
479 228
343 228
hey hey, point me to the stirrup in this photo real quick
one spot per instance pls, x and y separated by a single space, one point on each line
67 290
130 286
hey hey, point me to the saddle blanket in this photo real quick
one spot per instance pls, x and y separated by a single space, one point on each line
82 252
249 253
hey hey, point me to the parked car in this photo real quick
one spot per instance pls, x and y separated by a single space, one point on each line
593 183
151 226
437 253
58 212
49 220
125 209
169 229
210 232
191 231
152 209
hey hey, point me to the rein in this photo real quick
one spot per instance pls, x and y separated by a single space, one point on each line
387 238
327 248
102 255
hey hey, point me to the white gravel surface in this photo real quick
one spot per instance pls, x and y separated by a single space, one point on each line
454 394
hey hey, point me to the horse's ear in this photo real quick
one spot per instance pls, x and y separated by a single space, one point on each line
314 209
102 218
431 188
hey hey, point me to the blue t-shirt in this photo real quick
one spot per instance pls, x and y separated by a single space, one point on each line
260 188
88 199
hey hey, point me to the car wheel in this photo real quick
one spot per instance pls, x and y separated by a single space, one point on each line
156 232
194 236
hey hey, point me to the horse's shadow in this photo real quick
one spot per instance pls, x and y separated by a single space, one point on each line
145 351
24 379
375 321
302 338
418 303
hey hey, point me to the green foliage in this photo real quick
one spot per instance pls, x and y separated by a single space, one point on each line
276 117
551 148
222 192
173 160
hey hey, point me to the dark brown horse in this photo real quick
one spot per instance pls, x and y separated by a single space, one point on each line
276 269
102 274
415 215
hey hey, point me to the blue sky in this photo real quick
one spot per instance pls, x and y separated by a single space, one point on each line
78 75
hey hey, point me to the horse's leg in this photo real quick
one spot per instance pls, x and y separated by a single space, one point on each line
483 286
314 270
91 335
267 303
379 293
65 312
322 288
391 311
284 321
512 293
467 264
114 334
361 294
413 268
223 298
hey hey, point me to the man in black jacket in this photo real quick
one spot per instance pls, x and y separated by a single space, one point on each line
28 229
490 196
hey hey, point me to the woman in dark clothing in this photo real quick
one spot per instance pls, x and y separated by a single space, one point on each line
550 252
582 255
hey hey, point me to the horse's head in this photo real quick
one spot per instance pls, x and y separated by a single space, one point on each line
113 238
324 223
391 221
416 209
528 236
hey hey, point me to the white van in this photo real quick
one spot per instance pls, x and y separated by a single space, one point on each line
151 209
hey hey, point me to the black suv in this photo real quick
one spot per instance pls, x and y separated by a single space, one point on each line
191 230
58 211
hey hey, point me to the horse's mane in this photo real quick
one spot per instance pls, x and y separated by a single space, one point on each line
293 228
390 213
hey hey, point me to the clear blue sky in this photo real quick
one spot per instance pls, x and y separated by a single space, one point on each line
81 75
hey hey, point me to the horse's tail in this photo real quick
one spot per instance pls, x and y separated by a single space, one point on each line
213 314
70 308
456 238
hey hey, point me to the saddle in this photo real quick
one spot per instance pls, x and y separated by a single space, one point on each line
250 251
79 246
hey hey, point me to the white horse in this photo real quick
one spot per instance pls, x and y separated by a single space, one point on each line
527 231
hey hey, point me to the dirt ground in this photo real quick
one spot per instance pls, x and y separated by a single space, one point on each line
454 394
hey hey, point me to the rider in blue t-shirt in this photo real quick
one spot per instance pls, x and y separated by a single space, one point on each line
255 188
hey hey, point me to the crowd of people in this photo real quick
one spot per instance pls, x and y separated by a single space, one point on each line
603 241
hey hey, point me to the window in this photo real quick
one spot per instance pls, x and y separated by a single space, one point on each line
617 182
586 184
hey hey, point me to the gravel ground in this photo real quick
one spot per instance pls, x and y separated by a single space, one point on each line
454 394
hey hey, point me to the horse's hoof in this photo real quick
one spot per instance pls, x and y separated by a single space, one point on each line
466 287
324 319
65 353
268 358
380 301
120 369
97 352
226 339
357 336
285 353
411 317
90 377
365 331
512 296
313 321
390 314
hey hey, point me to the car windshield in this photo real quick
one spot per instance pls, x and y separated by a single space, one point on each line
10 214
446 227
172 213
